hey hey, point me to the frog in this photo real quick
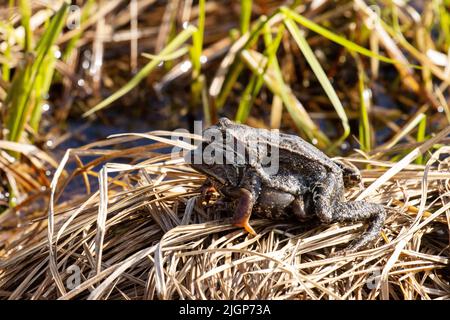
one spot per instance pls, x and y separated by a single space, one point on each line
278 175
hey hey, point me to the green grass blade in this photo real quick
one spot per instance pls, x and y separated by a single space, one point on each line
256 81
197 40
273 79
52 31
444 19
246 15
43 83
237 66
20 98
421 134
246 100
15 100
25 11
334 37
196 55
321 76
365 136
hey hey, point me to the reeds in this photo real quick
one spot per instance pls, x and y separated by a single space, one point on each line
32 81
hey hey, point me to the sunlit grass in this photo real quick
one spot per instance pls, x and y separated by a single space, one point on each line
30 82
246 14
25 11
421 134
365 130
196 59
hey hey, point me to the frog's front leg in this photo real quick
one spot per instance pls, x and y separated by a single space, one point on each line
329 207
247 195
244 210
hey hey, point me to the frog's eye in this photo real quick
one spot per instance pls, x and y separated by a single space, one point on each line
225 122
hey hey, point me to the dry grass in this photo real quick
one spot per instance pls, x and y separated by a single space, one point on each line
135 231
126 215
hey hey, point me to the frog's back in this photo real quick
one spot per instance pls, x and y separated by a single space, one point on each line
297 146
291 148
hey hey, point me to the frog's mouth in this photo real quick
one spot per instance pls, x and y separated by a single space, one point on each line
211 174
194 158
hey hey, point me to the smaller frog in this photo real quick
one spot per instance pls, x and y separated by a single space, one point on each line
304 182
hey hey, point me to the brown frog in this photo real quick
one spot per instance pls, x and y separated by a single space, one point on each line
279 175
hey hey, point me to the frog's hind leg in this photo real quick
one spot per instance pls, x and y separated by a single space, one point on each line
329 207
361 211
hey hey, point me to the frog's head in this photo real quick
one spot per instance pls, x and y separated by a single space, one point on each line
210 157
350 173
351 178
218 131
224 123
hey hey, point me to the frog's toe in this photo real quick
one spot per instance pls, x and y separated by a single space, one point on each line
353 247
246 226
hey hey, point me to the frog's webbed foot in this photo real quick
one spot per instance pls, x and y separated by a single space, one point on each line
361 211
